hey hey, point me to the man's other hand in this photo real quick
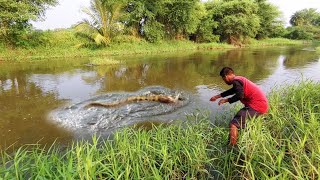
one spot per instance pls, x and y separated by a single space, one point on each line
214 98
222 101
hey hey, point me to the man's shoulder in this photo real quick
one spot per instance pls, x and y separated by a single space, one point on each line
237 81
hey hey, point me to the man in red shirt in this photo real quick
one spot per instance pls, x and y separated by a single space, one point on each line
254 100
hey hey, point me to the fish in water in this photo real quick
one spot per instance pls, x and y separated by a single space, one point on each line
156 98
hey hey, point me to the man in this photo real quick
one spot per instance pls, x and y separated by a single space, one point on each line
254 100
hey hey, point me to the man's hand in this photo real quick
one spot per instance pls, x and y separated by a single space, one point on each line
214 98
222 101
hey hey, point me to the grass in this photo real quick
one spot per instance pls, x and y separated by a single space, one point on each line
275 42
63 44
284 144
172 152
117 49
103 61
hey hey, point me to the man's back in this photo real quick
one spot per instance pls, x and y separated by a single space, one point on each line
253 95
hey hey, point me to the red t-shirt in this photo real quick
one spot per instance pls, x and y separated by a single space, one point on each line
253 95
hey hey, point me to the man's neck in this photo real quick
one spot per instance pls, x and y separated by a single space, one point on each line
232 76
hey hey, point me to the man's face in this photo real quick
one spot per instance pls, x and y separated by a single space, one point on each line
227 79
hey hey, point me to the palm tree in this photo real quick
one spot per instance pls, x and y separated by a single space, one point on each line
104 22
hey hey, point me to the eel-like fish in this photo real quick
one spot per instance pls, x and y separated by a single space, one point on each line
156 98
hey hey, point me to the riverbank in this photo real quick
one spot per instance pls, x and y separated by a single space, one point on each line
284 144
70 50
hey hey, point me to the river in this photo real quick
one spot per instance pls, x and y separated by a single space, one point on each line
42 102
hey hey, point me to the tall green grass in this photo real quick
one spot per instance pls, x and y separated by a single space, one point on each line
173 152
284 144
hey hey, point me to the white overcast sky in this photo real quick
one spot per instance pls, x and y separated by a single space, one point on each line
68 12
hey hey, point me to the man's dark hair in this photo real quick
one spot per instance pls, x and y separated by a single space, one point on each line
225 71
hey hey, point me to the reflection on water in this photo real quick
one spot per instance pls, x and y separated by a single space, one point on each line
298 58
29 93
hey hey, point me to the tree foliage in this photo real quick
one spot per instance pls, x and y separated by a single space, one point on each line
205 29
305 17
236 19
143 17
298 33
15 16
103 23
182 17
270 23
172 19
305 25
232 21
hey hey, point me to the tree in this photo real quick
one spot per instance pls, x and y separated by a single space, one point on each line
144 16
182 17
298 32
160 19
305 17
104 23
237 19
15 16
204 31
305 25
270 23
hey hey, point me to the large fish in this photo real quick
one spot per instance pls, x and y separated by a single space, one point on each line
155 98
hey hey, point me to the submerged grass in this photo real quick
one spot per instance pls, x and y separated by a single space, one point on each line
284 144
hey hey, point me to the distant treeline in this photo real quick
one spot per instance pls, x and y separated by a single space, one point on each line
117 21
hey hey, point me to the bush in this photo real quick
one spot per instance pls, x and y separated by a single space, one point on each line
298 33
154 32
126 39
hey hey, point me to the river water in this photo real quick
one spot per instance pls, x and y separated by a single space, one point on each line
43 102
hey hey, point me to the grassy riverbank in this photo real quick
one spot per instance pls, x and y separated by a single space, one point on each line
140 47
65 46
285 144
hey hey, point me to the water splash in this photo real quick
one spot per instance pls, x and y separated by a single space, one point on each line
100 119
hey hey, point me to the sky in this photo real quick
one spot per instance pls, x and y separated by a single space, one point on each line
68 13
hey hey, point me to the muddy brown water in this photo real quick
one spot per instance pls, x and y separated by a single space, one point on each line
41 102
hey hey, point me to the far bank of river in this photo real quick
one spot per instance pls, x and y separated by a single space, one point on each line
72 52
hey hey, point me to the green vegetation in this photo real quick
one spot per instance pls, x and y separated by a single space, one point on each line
63 44
134 21
15 28
103 27
305 25
129 27
141 47
163 152
284 144
236 20
274 42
